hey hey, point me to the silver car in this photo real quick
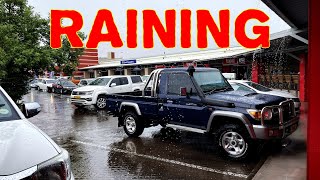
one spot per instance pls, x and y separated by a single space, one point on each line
26 151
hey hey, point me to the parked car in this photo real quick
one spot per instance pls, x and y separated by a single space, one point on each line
26 151
145 78
45 84
94 94
36 82
76 79
85 82
33 83
63 86
250 86
201 100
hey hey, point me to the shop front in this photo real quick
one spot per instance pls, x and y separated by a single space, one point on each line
241 67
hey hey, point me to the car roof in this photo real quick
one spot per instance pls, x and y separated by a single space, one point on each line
184 69
238 81
116 76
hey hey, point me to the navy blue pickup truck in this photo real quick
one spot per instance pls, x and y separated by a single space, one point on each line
201 100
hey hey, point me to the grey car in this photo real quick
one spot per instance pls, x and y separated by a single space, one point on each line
26 151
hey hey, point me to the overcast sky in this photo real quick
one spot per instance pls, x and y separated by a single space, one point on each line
89 9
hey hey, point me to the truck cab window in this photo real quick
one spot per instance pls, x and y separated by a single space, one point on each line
124 81
116 81
177 81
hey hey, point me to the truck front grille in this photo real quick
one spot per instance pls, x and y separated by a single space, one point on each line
78 93
281 114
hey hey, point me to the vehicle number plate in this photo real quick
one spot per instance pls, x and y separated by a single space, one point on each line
77 97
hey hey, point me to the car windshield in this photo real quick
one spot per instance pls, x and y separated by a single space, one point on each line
100 82
258 87
51 81
77 78
90 81
7 112
210 81
144 78
68 83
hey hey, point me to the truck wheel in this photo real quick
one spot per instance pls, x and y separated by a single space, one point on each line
101 102
49 90
233 141
132 125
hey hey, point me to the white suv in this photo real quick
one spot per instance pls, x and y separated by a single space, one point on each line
94 93
26 151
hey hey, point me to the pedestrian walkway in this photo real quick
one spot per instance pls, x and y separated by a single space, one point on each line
291 162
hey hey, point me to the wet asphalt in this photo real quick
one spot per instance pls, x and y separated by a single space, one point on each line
99 149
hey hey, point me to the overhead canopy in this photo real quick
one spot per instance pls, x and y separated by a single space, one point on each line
294 13
184 57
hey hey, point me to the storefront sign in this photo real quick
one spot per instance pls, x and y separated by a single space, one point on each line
230 61
159 66
194 64
129 62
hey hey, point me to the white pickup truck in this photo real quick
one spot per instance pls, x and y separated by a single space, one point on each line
94 93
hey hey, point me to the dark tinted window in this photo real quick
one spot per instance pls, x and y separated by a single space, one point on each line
136 79
124 81
7 112
177 81
68 83
116 81
84 82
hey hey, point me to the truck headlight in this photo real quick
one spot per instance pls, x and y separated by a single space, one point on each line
58 168
89 93
255 114
267 114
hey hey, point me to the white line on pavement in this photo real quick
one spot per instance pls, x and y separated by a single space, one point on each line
163 160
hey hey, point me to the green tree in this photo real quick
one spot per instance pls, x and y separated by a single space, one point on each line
66 58
24 47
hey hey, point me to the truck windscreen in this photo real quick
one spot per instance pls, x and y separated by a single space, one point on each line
210 81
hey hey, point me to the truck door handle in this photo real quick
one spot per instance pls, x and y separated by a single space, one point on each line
191 104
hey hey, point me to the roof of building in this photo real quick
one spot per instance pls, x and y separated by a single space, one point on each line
183 57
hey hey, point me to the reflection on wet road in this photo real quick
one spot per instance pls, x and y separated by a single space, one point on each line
101 150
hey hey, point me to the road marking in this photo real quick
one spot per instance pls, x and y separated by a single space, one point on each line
164 160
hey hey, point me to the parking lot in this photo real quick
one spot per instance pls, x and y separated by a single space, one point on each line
101 150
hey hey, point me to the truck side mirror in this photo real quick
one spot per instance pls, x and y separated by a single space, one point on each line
113 85
183 91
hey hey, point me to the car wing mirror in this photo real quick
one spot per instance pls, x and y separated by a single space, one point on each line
31 109
113 85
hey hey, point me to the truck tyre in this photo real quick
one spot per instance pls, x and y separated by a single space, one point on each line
233 141
132 125
49 90
101 102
